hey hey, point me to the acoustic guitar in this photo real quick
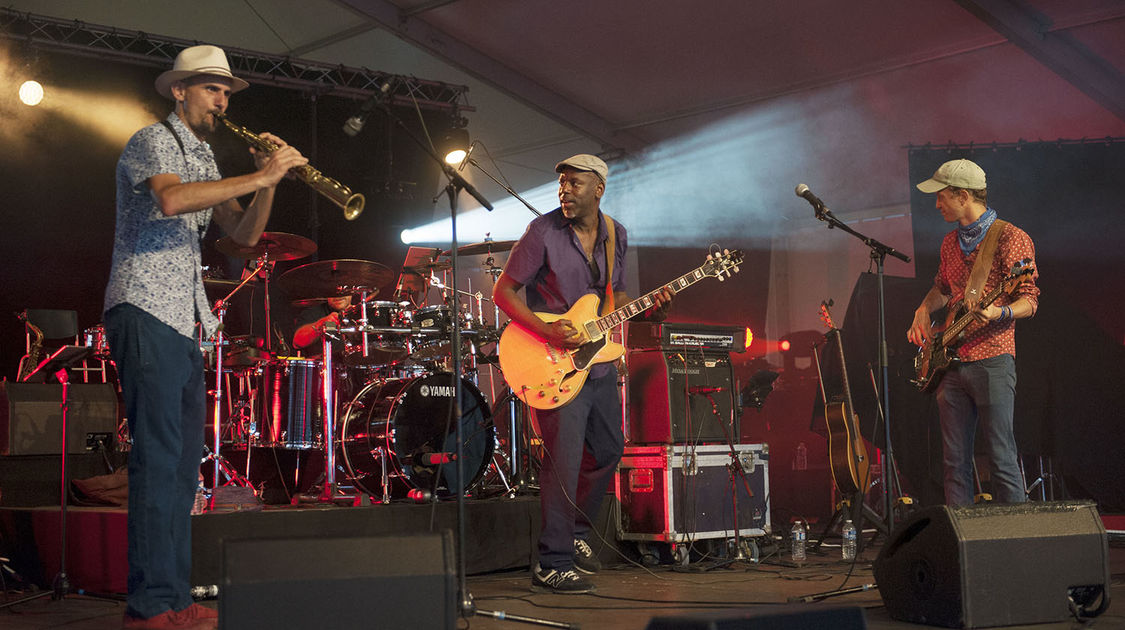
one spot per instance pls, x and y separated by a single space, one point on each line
546 376
847 454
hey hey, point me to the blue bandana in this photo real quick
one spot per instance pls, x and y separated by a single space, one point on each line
969 236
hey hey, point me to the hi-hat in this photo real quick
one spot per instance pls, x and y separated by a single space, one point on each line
219 287
277 245
330 278
483 247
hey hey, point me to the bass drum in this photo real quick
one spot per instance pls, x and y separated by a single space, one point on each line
409 418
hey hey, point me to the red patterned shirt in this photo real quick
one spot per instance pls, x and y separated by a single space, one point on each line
982 341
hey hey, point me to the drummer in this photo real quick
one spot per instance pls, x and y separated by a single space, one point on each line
312 321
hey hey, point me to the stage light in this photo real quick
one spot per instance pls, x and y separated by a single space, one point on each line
784 345
31 93
454 146
749 339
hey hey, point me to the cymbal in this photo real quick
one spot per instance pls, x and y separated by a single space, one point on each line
483 247
424 269
277 245
334 278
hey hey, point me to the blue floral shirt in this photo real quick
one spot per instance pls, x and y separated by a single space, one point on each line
156 259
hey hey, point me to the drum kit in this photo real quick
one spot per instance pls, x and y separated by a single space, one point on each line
376 396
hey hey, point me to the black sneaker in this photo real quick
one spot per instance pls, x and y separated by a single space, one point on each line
566 582
584 558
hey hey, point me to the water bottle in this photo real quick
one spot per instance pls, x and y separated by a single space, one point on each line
797 540
801 459
848 537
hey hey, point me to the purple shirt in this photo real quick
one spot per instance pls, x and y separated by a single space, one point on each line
550 263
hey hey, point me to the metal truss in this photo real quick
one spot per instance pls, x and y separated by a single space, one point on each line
107 42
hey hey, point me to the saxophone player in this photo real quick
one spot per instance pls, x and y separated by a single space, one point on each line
168 190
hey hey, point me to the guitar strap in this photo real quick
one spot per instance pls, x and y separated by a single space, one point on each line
983 264
610 254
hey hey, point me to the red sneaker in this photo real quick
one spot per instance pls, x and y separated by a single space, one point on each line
200 612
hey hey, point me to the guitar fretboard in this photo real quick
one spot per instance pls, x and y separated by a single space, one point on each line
647 301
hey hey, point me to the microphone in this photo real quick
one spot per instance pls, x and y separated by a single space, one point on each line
354 125
468 154
700 389
803 191
433 459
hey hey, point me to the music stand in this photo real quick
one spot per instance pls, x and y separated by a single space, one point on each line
55 366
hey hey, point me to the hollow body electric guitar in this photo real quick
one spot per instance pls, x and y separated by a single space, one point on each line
939 354
847 455
546 376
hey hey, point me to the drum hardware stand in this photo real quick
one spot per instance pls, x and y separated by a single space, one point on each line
331 492
879 253
220 310
457 183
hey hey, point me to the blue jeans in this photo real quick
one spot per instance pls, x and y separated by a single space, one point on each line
161 374
583 442
980 391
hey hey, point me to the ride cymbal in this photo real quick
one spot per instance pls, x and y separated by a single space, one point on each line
334 278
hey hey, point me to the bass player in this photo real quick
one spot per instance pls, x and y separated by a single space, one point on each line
981 387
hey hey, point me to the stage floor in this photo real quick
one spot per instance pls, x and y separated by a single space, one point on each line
628 596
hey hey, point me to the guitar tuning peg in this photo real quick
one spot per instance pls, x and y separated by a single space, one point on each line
720 277
735 268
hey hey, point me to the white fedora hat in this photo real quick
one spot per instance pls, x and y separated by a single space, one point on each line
197 60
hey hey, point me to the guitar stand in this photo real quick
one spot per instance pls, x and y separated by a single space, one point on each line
853 507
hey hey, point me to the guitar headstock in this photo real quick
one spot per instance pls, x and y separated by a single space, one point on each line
722 265
826 315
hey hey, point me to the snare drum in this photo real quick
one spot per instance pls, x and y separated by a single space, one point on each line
393 424
289 403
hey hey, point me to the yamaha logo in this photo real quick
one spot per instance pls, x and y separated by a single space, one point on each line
444 391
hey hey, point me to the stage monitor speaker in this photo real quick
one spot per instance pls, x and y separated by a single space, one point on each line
662 407
31 418
785 618
995 565
346 582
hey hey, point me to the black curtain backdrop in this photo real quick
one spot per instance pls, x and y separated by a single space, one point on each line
1070 357
56 229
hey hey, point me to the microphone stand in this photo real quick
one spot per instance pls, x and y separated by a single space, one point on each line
457 183
507 188
521 479
879 253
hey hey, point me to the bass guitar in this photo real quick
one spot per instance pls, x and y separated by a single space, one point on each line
847 454
546 376
939 354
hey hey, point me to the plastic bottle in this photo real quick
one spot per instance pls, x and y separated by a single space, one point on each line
797 539
801 460
848 538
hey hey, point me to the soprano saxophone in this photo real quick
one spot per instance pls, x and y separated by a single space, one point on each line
334 191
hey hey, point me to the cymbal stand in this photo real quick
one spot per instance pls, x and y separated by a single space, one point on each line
363 322
220 310
330 491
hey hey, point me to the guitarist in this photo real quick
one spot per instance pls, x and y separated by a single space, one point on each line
982 387
560 258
